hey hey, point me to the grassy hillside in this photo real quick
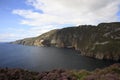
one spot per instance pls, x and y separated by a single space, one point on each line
101 41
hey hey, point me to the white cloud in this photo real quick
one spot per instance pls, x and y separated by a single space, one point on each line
72 11
4 37
60 12
16 34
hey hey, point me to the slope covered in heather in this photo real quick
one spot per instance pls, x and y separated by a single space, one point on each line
110 73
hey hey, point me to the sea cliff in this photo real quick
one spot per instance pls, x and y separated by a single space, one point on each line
101 41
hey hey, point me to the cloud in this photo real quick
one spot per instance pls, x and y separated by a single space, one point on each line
8 37
13 34
38 19
72 11
50 14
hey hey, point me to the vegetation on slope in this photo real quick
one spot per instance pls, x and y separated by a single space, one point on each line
101 41
109 73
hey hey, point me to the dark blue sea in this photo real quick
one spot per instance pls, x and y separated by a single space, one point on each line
46 58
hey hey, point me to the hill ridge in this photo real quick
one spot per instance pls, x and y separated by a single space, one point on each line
101 41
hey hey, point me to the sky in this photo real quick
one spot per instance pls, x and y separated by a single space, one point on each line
29 18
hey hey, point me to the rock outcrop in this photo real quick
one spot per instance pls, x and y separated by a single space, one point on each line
101 41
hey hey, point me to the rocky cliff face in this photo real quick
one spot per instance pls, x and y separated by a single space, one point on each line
101 41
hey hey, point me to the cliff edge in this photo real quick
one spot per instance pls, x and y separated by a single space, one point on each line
101 41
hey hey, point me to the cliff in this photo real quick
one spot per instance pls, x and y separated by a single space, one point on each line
101 41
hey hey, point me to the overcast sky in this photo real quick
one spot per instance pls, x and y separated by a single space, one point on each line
27 18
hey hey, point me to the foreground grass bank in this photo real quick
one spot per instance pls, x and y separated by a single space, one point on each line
110 73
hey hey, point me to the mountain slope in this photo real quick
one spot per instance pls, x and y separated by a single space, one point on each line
101 41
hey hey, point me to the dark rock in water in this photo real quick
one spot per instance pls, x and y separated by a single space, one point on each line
101 42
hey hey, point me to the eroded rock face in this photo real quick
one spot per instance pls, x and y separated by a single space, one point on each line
102 41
